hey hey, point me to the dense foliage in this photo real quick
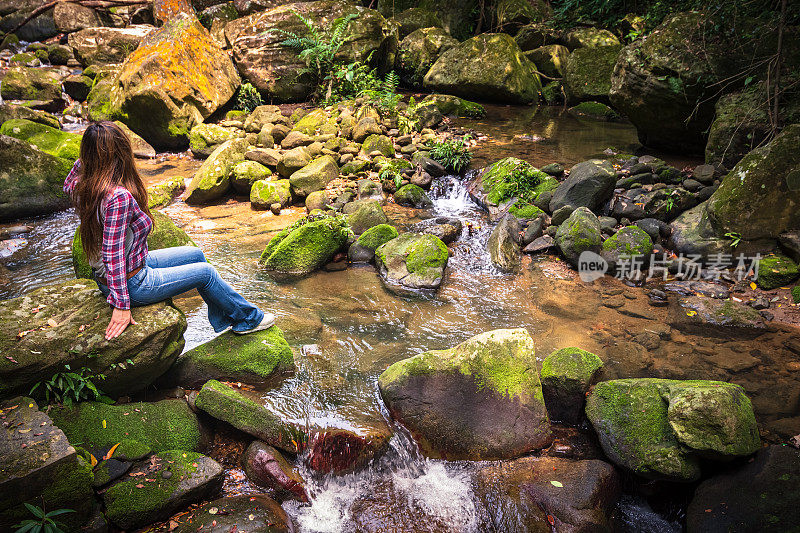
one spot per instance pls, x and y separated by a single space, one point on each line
453 154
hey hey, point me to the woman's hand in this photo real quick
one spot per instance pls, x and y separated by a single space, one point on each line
120 318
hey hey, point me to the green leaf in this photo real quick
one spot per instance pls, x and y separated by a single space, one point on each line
60 512
556 484
34 510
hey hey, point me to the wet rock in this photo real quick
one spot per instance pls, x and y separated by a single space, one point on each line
419 50
549 494
131 504
300 250
256 359
503 245
566 376
456 405
596 111
41 87
339 451
629 241
445 228
760 495
590 184
205 138
273 68
213 179
587 74
412 261
578 234
267 467
137 427
720 318
257 512
541 244
486 67
368 214
702 288
47 139
434 168
776 271
100 46
314 176
109 470
39 466
412 196
78 86
65 322
363 250
494 189
32 180
369 190
661 429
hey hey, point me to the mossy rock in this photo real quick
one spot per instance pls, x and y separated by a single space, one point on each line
453 105
550 60
412 261
509 179
481 399
660 429
246 173
305 246
131 450
23 83
524 210
368 214
311 122
776 271
212 179
375 236
50 140
566 376
204 138
587 74
12 111
264 193
628 242
590 37
594 110
165 234
314 176
161 194
256 359
796 294
419 50
355 166
180 478
415 19
378 143
579 233
412 196
163 425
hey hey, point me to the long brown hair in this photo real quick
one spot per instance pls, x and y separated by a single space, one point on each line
106 162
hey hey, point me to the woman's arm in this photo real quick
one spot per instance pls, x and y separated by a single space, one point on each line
72 178
119 209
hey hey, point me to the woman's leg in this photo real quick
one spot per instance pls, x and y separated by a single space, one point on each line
175 256
226 307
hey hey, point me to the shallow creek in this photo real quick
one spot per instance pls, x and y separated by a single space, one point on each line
346 328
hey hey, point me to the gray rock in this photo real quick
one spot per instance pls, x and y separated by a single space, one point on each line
579 233
533 231
503 244
590 184
543 243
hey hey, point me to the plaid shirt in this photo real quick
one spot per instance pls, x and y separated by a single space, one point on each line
121 212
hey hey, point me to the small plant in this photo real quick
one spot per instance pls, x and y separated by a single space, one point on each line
385 97
393 176
735 238
70 386
453 154
44 522
248 98
351 79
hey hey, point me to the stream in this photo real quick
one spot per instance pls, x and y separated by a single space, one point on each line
345 328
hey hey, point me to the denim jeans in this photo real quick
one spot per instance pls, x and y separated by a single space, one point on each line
172 271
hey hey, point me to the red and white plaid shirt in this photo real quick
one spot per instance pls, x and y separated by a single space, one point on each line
121 212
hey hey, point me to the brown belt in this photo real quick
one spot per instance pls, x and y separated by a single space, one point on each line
130 274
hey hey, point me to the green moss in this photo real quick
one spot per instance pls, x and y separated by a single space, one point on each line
368 214
311 122
512 177
164 425
776 271
452 105
131 450
426 253
587 75
594 109
385 164
377 235
51 140
629 241
161 194
796 294
521 209
305 245
570 365
380 143
264 193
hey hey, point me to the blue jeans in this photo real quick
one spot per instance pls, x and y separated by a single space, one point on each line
172 271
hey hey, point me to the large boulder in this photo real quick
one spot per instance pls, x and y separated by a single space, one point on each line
213 179
205 138
64 324
305 246
259 512
12 111
175 79
38 466
489 66
314 176
164 234
627 243
32 180
412 261
566 376
760 495
418 51
41 87
256 359
580 233
481 399
69 17
501 185
267 467
412 196
415 19
551 60
661 429
277 71
587 75
46 138
667 86
368 214
590 37
590 184
99 46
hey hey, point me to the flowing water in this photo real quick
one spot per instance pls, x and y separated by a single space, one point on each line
346 328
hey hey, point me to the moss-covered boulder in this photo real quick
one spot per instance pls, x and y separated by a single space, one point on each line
38 466
489 66
39 84
213 178
261 513
415 19
13 111
242 412
418 51
245 173
503 183
628 242
205 138
760 197
776 271
535 35
587 74
595 110
176 78
661 429
293 160
314 176
590 37
667 86
579 233
481 399
180 478
550 60
305 246
448 104
590 184
713 317
412 261
163 425
64 324
165 234
412 196
256 359
100 46
370 240
47 139
368 214
276 70
264 193
32 180
378 143
566 375
311 122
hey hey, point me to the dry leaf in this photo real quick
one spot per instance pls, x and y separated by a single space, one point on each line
52 322
110 453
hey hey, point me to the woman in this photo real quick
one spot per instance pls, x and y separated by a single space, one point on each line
111 201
